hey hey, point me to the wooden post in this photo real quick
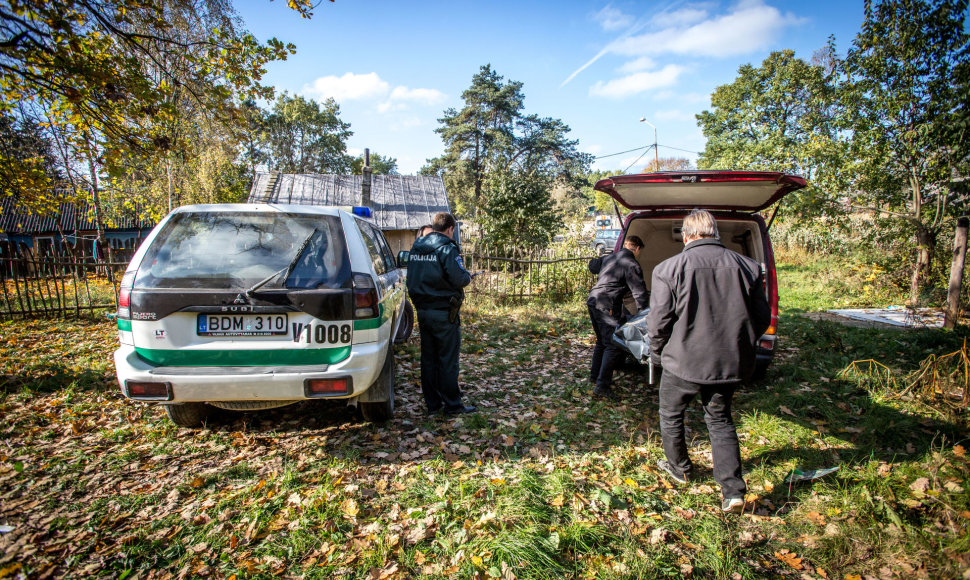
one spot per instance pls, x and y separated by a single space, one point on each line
952 312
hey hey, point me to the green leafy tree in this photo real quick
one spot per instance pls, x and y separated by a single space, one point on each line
110 68
120 83
209 169
905 98
667 164
475 136
29 172
379 165
599 201
303 136
781 116
519 212
491 135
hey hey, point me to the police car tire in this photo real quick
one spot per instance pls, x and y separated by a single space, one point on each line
188 414
406 326
378 412
600 250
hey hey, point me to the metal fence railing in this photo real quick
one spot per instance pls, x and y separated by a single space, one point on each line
521 274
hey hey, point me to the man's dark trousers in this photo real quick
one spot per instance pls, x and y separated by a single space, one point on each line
606 354
675 395
440 343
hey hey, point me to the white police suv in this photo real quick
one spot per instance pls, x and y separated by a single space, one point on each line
250 306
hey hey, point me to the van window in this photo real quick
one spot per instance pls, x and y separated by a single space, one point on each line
235 250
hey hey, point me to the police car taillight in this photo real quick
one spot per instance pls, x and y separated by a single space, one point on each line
366 303
124 295
148 391
327 387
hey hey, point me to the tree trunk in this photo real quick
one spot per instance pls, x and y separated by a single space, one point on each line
952 312
101 242
926 244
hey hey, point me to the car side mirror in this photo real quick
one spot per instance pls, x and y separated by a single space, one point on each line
402 258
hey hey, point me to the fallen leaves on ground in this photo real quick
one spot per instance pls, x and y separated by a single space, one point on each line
91 483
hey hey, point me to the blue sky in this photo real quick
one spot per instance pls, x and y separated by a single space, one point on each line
394 67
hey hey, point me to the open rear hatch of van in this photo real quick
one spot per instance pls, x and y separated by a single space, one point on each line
660 202
746 191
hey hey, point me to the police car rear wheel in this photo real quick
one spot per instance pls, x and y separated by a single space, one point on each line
406 325
380 411
188 414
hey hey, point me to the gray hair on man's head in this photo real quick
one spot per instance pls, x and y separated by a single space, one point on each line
700 224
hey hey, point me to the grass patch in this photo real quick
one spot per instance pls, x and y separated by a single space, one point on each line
542 482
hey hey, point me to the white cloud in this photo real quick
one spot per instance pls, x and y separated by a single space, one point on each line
750 26
610 18
401 97
348 87
641 64
679 17
422 96
637 83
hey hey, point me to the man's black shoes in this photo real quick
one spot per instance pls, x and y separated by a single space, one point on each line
680 478
460 410
606 393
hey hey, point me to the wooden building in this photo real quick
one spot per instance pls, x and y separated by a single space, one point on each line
401 203
69 231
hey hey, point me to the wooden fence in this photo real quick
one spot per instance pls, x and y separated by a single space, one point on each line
59 287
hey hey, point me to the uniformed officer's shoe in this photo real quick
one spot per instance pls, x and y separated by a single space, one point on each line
460 410
606 393
435 411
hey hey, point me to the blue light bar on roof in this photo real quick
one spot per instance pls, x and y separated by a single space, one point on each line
361 211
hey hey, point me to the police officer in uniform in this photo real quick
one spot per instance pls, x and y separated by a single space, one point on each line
436 278
617 272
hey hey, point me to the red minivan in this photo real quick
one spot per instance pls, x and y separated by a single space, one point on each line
660 201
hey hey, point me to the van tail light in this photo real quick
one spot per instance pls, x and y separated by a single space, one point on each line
770 277
327 387
124 295
366 303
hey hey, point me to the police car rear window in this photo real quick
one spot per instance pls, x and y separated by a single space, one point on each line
239 250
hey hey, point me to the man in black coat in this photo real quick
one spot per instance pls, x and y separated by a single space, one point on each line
436 278
707 311
617 272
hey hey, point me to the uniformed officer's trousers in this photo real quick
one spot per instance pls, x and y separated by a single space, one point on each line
440 344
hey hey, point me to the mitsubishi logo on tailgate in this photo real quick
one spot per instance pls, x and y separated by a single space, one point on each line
240 299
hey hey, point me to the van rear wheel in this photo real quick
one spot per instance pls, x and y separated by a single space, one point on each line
190 415
380 411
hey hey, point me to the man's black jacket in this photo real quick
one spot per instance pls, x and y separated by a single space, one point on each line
707 312
617 272
436 272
